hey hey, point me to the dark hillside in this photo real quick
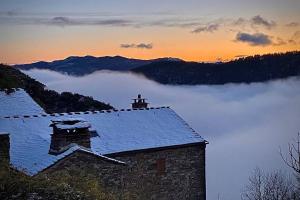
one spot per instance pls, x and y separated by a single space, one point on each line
244 70
79 66
50 100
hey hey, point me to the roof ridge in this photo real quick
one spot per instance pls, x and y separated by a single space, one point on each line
16 89
71 150
80 113
187 125
99 155
9 91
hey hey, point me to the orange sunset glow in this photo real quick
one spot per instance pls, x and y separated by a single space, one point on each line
192 31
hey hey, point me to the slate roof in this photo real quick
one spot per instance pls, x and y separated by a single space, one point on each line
18 103
118 131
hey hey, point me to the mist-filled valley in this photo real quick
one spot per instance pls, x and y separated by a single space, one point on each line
245 124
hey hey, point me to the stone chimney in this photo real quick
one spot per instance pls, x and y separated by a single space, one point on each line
67 132
139 102
4 147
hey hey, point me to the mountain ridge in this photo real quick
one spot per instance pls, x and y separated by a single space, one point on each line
83 65
173 71
258 68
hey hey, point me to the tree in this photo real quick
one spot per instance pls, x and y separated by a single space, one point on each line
293 160
63 185
270 186
276 185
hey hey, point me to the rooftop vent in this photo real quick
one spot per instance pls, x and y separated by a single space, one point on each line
139 102
67 132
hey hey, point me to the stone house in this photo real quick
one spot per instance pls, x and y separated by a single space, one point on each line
145 152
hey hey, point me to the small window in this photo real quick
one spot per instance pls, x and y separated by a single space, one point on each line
161 165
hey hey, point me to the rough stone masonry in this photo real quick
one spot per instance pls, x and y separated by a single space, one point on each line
164 173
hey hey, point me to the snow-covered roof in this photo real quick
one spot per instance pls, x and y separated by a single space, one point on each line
70 123
17 103
118 131
78 125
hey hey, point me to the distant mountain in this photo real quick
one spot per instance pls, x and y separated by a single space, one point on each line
257 68
50 100
244 70
79 66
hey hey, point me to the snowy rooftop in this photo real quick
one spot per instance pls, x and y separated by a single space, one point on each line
118 131
70 123
18 103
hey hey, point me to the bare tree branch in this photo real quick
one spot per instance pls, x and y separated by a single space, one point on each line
270 186
292 160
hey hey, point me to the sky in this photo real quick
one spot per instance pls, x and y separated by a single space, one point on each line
245 124
193 30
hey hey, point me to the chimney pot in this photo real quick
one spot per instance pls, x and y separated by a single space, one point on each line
139 102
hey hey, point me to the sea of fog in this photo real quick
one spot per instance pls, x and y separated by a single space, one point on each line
245 124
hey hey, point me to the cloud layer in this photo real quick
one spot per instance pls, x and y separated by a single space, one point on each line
244 123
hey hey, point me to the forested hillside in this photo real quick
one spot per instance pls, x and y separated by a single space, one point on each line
244 70
50 100
79 66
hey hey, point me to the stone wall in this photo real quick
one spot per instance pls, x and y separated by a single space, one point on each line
176 173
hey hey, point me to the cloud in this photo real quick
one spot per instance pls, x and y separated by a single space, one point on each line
66 21
8 13
260 21
174 22
296 35
93 19
139 46
62 21
256 39
119 22
167 23
239 21
293 42
127 45
279 42
293 24
209 28
295 39
254 22
144 46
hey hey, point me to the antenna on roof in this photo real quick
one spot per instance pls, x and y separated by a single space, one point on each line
139 102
